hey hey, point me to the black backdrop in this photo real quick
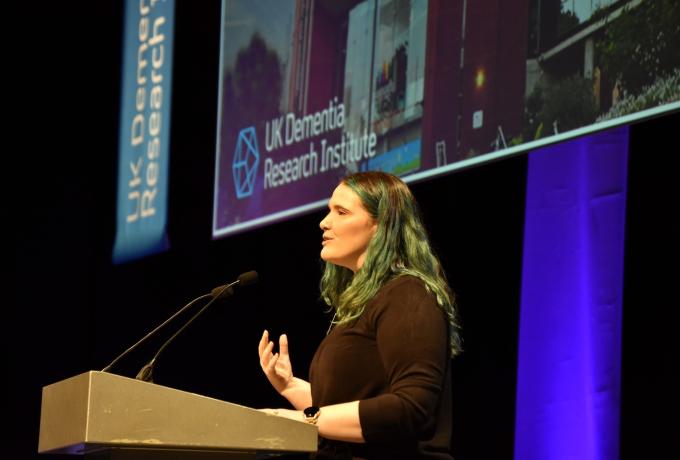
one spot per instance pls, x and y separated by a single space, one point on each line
74 311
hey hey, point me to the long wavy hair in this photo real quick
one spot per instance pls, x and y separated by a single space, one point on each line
400 247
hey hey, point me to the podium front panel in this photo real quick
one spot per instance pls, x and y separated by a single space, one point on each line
98 409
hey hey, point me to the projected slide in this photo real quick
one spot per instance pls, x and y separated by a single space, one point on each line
311 90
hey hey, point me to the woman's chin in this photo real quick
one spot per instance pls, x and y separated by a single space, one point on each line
327 253
328 258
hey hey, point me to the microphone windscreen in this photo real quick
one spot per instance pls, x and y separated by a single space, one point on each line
222 291
247 278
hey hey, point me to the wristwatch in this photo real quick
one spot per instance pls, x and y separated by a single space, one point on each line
312 414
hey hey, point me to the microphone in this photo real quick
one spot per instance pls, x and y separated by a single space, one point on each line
220 292
244 279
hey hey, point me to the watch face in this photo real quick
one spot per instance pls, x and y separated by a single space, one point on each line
311 411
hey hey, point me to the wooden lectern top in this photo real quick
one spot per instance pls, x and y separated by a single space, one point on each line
97 410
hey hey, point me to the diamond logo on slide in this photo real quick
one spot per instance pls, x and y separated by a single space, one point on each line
246 159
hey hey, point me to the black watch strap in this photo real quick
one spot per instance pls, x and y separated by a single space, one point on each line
312 414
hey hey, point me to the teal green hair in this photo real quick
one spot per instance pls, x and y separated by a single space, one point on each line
400 247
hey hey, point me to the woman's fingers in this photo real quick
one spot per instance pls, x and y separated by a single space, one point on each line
283 345
271 364
266 355
263 342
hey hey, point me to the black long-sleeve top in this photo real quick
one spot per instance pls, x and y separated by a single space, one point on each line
395 360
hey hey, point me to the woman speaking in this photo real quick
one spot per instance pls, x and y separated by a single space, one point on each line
379 382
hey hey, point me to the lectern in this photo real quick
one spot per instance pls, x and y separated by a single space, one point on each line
102 415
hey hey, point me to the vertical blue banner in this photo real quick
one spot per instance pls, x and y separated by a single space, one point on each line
144 129
569 359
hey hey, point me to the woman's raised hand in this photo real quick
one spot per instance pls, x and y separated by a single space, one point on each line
276 366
